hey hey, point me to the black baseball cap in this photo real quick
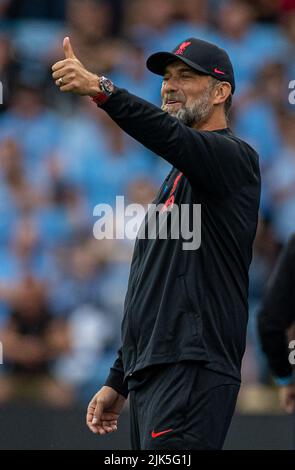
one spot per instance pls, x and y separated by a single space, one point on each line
200 55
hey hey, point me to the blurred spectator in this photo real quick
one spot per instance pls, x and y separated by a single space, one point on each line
258 116
64 214
287 5
96 156
4 5
47 9
33 22
89 20
268 97
7 69
276 319
267 11
92 348
31 339
19 194
33 126
191 18
288 50
90 24
78 277
77 295
265 252
281 181
131 73
249 44
192 11
147 23
23 256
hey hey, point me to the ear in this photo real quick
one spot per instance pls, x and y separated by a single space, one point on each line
222 92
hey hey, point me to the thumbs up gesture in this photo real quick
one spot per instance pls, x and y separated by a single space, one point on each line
68 50
70 75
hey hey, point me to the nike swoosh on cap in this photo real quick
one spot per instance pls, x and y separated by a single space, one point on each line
216 70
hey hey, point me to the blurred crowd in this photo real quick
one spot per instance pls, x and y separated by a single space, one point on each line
61 290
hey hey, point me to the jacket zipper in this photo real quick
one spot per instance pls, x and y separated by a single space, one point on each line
131 323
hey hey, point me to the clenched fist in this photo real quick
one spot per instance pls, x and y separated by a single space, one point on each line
70 75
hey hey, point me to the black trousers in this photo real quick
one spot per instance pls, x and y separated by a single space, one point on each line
181 406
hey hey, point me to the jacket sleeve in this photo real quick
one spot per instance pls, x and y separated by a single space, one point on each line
212 162
278 312
115 378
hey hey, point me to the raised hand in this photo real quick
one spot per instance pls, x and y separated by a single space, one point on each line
70 75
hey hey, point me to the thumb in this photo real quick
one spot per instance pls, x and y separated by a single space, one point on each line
68 50
97 413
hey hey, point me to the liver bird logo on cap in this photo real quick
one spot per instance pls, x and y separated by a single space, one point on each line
182 47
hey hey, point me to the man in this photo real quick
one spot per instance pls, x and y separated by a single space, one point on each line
185 313
275 319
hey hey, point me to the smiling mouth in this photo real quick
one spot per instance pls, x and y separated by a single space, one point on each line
173 102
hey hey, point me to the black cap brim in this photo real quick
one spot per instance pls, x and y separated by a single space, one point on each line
157 62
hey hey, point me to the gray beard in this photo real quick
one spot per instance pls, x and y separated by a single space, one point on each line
197 113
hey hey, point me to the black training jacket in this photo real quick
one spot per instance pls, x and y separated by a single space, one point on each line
189 304
278 312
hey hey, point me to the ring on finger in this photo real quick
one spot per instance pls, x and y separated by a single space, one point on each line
60 81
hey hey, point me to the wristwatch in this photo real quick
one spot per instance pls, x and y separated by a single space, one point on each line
107 88
106 85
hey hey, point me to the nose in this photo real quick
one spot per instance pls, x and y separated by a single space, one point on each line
170 84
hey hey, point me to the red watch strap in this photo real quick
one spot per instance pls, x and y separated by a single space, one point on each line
100 98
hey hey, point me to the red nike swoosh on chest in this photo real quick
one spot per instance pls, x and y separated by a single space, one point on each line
157 434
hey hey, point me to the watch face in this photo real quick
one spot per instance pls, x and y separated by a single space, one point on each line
106 85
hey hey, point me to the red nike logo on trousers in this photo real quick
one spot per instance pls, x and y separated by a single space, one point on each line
157 434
